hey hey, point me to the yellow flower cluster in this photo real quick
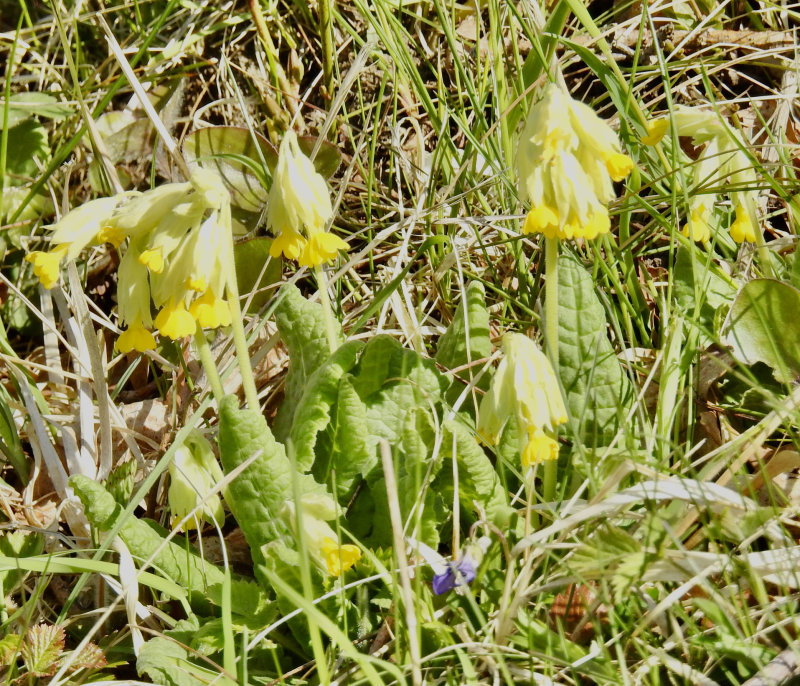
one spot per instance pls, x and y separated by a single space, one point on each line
179 255
567 160
524 386
721 159
321 540
299 208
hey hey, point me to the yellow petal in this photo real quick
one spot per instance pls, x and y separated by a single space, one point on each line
339 558
541 219
742 228
697 229
321 247
174 321
540 448
153 260
135 338
46 264
618 165
656 130
288 243
210 312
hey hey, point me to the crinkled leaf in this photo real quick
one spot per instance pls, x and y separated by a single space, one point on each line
478 482
599 394
90 657
301 324
312 413
175 561
41 649
763 326
344 446
466 340
167 662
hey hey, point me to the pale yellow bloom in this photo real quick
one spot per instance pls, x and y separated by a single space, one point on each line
194 472
567 160
174 321
46 265
319 537
136 337
524 386
742 228
210 312
697 227
133 303
299 208
656 130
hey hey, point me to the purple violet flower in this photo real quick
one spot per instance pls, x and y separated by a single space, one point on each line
459 573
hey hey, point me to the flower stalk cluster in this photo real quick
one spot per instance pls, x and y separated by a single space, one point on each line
525 387
722 159
567 161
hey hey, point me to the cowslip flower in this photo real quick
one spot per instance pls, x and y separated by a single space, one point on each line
524 386
721 160
568 158
321 540
86 224
193 473
298 209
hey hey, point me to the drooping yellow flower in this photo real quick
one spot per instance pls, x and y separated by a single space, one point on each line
524 386
136 337
656 130
84 225
46 265
697 227
339 558
210 312
320 248
299 208
722 167
566 162
174 321
319 537
539 448
193 473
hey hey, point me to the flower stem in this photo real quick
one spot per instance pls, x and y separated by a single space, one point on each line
240 341
207 360
551 339
325 301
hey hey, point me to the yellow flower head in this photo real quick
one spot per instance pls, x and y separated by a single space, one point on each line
193 473
722 167
538 448
299 208
567 160
133 304
526 387
319 537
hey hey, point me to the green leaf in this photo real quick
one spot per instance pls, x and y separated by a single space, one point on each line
763 326
599 394
466 340
252 278
22 106
478 482
344 446
256 496
302 326
27 142
167 662
41 649
312 413
203 580
714 289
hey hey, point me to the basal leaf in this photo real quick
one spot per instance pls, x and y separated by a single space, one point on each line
301 324
253 279
599 394
312 413
182 565
27 142
167 662
763 326
478 482
344 446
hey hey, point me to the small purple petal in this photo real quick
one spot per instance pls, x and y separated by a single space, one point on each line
456 574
